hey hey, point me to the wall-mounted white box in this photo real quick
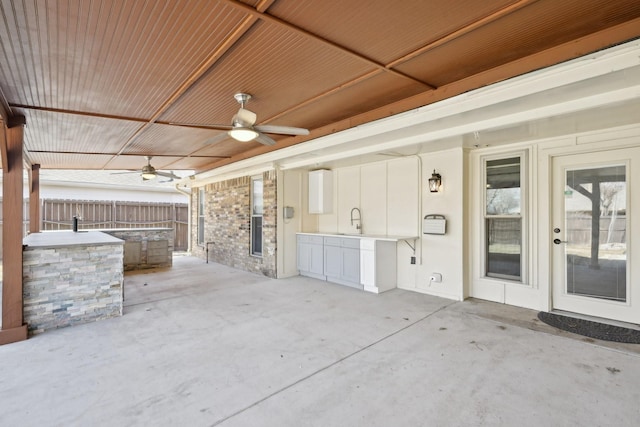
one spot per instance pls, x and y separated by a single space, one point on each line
320 191
434 224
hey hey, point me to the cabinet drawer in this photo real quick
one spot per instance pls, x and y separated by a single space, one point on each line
350 243
332 241
305 238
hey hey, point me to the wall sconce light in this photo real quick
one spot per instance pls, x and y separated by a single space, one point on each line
435 182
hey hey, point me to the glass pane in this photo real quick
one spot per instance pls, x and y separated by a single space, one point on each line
200 230
503 186
256 235
504 247
256 198
201 201
596 231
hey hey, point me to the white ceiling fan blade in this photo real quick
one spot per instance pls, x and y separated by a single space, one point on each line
245 117
220 137
167 175
264 139
282 130
200 125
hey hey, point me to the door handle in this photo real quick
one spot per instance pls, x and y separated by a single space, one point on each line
558 241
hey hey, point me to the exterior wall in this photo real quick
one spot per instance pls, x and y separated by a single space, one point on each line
536 288
147 258
393 198
227 224
83 191
71 285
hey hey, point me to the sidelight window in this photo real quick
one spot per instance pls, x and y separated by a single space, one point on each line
256 215
503 218
201 216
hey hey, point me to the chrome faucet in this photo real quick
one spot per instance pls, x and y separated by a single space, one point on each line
359 219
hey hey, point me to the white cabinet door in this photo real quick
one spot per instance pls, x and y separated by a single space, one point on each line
304 257
317 259
310 256
332 261
350 265
320 192
367 262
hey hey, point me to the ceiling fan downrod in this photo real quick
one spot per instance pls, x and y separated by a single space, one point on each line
242 98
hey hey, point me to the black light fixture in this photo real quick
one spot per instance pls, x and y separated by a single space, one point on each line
435 182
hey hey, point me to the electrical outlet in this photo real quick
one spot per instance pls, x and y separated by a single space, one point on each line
413 260
435 278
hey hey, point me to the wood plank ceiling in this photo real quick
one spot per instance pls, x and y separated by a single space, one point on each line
103 83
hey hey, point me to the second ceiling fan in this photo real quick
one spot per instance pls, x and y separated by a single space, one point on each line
244 129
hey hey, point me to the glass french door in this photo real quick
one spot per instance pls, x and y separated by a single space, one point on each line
592 234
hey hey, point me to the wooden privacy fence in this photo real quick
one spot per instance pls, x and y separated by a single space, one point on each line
95 214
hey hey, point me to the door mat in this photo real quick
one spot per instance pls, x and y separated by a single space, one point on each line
588 328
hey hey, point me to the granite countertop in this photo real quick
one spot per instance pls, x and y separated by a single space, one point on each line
364 236
56 239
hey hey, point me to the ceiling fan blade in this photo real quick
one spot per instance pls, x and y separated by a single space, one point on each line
245 117
282 130
220 137
200 125
264 139
167 175
120 173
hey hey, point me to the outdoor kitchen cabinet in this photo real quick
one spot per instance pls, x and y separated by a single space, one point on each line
311 256
378 267
342 261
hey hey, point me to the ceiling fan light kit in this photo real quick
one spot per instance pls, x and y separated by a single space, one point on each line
243 134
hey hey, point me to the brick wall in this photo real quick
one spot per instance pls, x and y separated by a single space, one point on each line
227 224
71 285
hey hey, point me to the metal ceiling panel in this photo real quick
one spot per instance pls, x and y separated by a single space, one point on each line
540 26
137 162
55 132
279 67
122 65
69 161
226 148
384 30
170 140
368 94
106 56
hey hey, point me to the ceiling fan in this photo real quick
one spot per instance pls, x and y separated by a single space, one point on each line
148 172
244 129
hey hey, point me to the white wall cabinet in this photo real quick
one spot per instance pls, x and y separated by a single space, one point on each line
342 261
320 191
311 256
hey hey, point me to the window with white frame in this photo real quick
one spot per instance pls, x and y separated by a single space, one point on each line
201 216
504 219
256 215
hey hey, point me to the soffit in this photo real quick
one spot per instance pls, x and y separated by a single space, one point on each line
103 83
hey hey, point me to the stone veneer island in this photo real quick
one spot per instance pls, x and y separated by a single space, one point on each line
71 278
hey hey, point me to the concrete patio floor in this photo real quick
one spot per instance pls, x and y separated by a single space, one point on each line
206 345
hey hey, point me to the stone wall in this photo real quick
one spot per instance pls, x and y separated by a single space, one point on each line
145 247
227 224
70 285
